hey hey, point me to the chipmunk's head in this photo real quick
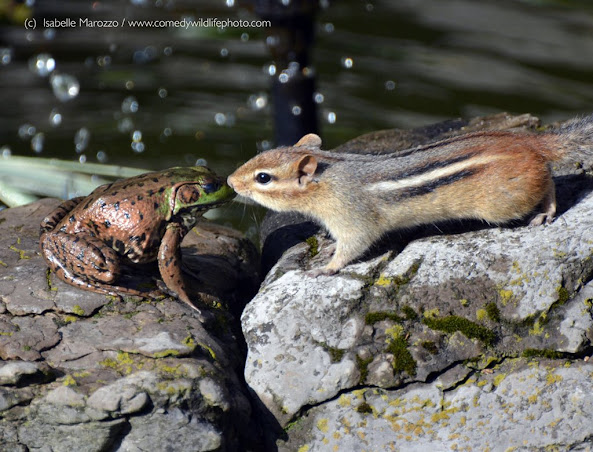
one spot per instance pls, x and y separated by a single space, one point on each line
279 178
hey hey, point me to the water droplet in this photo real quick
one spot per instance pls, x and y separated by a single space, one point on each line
129 105
369 7
82 158
112 47
271 69
104 61
163 93
230 3
81 139
55 118
65 86
102 156
286 2
5 56
308 71
257 101
125 125
318 98
244 37
328 27
347 62
37 142
137 146
137 136
263 145
5 152
272 41
129 85
26 131
167 131
201 162
42 64
283 78
331 117
296 110
30 3
220 119
224 52
49 33
389 85
168 51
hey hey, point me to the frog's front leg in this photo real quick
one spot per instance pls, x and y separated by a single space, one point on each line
169 259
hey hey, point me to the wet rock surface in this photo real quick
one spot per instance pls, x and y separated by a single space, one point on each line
454 336
82 371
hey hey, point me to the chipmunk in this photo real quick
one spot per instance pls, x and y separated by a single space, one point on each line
494 176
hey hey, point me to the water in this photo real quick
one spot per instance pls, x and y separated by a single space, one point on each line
161 97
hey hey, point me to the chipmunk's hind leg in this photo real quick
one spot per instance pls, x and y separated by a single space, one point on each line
548 207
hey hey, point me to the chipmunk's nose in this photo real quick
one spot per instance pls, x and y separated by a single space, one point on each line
230 181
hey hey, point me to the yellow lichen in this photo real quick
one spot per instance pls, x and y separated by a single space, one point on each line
481 314
69 381
498 379
383 281
209 350
553 378
431 313
505 296
76 309
322 425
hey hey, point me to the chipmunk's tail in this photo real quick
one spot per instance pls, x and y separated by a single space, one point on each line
574 140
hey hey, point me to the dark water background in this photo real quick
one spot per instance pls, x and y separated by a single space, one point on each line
161 97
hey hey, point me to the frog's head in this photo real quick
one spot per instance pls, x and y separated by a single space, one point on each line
198 189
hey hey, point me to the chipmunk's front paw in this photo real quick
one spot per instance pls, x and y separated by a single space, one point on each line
540 219
321 271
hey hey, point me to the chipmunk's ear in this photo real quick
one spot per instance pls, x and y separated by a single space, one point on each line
306 169
310 140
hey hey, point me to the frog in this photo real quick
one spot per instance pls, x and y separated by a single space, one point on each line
137 220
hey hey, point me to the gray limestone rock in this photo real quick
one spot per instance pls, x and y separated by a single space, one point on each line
439 338
81 371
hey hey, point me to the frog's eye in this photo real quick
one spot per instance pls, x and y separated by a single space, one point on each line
211 187
263 178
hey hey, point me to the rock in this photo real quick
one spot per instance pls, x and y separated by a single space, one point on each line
14 372
86 372
517 406
456 336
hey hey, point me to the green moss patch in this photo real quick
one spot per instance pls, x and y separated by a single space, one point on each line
403 360
313 246
545 353
492 312
453 323
373 317
363 367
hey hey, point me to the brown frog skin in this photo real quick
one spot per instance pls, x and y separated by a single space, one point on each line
138 220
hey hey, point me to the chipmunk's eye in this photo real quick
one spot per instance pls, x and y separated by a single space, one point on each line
263 178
